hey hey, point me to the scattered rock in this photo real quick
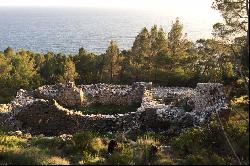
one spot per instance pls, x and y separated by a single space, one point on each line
66 137
15 133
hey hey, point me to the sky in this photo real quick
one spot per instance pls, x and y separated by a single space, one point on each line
195 7
126 4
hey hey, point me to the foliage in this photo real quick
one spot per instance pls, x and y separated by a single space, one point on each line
87 141
11 141
235 15
124 158
204 158
112 60
17 71
207 144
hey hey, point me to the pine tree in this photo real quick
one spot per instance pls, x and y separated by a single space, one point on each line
112 60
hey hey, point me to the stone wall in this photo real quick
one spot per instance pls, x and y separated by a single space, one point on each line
67 95
8 119
70 95
107 94
49 118
209 95
162 109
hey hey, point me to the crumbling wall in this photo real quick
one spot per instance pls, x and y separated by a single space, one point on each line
42 111
49 118
108 94
209 95
8 119
68 95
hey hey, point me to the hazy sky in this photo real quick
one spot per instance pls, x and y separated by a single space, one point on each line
190 8
127 4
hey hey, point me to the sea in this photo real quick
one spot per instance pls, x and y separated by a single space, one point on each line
65 30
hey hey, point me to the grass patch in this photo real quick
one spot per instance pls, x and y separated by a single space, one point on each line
108 109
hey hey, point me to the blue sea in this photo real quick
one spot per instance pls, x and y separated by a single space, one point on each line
67 29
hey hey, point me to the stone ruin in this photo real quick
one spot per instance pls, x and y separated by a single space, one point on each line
48 109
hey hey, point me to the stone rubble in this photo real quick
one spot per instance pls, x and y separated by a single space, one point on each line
67 95
43 111
65 137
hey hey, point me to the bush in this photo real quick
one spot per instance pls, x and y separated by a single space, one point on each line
11 141
97 145
55 160
117 158
18 156
46 142
204 158
88 158
30 156
82 141
241 103
188 142
198 144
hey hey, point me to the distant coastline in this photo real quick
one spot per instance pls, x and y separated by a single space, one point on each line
65 30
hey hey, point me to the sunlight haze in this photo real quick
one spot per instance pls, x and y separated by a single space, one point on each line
180 7
119 20
125 4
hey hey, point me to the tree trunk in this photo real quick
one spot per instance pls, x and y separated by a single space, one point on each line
111 72
247 8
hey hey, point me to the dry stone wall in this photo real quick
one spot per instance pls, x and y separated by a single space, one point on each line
107 94
209 95
70 95
67 95
43 111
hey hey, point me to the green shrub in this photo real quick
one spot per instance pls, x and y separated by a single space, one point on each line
82 140
86 157
97 145
164 159
11 141
29 156
204 158
46 142
198 144
241 102
189 142
88 141
117 158
55 160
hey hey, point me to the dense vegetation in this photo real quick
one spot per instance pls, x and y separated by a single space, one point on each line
168 59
